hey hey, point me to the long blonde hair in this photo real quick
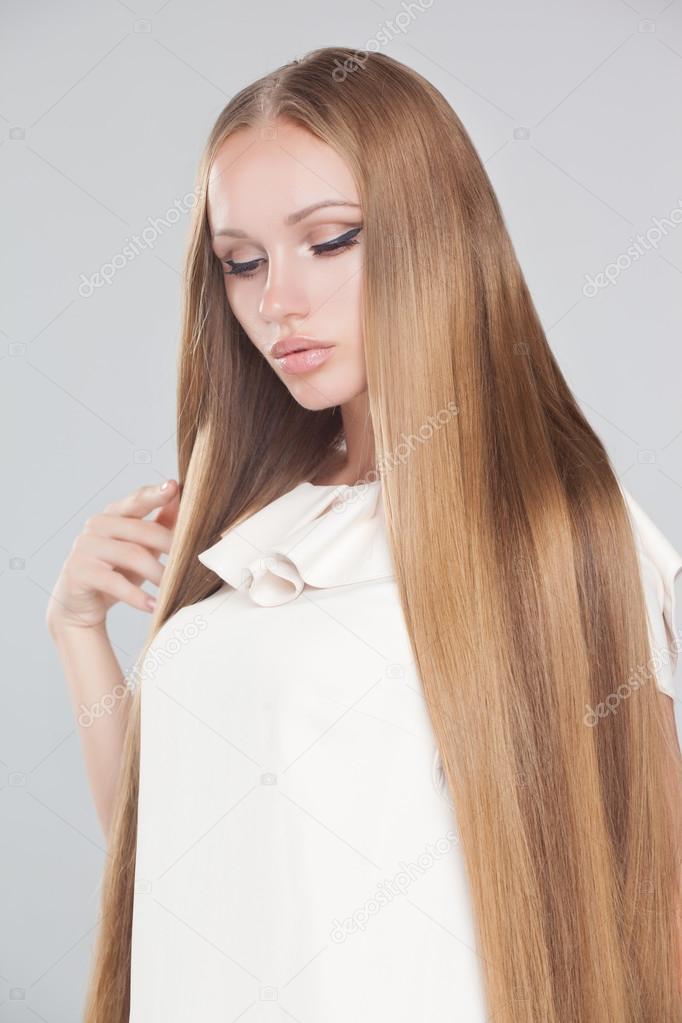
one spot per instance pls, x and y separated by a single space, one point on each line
513 551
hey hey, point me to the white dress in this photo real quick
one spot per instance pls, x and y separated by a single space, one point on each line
297 853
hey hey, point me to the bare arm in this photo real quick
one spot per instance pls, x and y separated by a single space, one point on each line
100 700
116 552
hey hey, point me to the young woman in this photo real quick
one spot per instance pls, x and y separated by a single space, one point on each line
402 744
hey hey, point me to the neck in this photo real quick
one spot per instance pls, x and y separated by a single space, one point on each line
356 463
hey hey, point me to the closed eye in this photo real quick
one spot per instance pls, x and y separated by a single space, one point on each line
344 241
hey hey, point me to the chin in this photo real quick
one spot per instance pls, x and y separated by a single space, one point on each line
315 390
312 398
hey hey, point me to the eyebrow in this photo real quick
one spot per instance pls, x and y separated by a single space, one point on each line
292 219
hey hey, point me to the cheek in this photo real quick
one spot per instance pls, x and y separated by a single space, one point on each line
347 313
242 306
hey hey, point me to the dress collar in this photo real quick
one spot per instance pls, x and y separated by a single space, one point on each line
320 535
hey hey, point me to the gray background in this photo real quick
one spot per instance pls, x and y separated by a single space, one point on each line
104 107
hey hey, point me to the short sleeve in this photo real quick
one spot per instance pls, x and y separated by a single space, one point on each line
660 564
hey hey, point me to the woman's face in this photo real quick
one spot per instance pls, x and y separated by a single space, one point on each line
292 266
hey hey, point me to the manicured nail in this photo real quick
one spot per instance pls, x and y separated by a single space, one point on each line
150 602
164 485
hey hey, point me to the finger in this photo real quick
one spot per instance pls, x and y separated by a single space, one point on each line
120 554
143 500
104 579
146 532
169 513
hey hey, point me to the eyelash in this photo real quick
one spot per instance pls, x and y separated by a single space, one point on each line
344 241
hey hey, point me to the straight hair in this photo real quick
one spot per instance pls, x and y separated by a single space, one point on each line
514 557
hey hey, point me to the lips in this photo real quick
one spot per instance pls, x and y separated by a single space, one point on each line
296 344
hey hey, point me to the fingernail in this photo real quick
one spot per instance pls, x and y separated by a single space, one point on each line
150 602
164 485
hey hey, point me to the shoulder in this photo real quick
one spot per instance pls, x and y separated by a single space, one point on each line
660 564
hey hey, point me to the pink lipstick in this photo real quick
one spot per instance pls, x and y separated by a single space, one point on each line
301 354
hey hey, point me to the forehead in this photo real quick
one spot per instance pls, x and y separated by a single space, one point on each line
259 172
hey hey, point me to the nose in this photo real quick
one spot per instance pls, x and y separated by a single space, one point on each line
284 293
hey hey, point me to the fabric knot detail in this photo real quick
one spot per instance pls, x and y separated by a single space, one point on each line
319 536
272 580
